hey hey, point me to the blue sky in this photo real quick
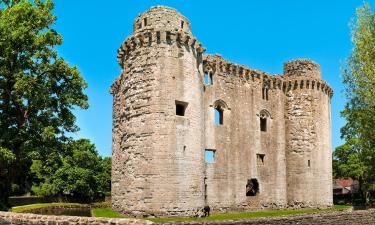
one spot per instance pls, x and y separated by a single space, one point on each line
260 34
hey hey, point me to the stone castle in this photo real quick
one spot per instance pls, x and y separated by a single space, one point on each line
192 130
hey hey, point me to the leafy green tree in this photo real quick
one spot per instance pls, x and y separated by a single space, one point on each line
6 158
357 157
38 89
80 172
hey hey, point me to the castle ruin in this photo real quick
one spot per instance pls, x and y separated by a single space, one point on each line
267 137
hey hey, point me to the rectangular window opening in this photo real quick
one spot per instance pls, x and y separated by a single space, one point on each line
308 163
209 155
145 22
181 108
158 37
263 124
182 24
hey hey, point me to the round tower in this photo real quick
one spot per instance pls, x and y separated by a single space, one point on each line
158 166
308 135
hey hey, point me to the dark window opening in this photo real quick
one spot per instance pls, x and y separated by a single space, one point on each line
182 24
169 40
145 22
260 159
211 79
219 116
252 187
308 163
180 108
209 155
265 93
205 188
139 25
263 124
158 37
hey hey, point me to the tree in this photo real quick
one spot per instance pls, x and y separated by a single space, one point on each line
80 173
357 156
38 89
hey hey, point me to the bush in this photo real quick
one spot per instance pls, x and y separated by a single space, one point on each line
3 207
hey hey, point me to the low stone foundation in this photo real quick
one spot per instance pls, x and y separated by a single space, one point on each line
9 218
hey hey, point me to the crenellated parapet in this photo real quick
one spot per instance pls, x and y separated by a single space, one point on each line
307 83
161 17
149 37
305 74
298 74
224 67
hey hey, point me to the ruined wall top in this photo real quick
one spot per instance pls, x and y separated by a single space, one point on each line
161 17
302 67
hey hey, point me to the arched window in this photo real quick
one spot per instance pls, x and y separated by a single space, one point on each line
264 116
207 80
219 107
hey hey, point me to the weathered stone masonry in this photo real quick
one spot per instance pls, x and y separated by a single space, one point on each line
271 146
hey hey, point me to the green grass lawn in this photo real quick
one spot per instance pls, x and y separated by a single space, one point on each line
106 212
109 213
249 215
20 209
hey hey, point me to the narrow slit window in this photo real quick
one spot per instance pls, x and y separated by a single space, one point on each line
180 108
145 22
209 155
158 37
182 24
308 163
266 94
263 93
219 116
263 124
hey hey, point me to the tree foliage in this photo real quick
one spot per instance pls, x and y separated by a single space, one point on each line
356 158
80 173
38 90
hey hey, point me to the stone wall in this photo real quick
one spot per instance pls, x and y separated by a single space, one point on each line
239 141
34 219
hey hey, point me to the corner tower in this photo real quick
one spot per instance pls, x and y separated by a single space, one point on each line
158 119
308 135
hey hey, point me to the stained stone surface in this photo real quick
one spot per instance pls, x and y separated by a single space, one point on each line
159 165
